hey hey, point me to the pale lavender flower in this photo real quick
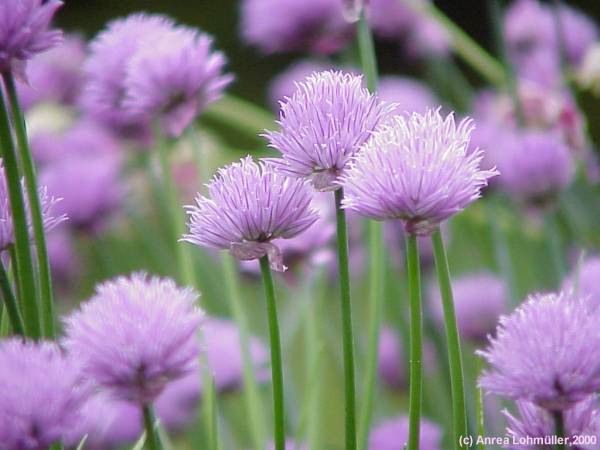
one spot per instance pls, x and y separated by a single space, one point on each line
55 75
392 434
105 70
479 300
390 19
428 38
221 341
25 31
528 26
174 77
584 281
249 206
581 420
580 33
323 125
407 94
546 352
135 335
47 203
284 84
535 166
64 261
41 394
276 26
416 169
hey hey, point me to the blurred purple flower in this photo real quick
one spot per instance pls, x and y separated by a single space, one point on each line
546 352
392 434
40 394
136 335
25 31
528 26
55 75
64 262
390 19
427 38
250 205
580 33
535 166
276 26
479 300
407 94
418 170
285 84
290 444
585 282
581 420
48 205
323 125
173 77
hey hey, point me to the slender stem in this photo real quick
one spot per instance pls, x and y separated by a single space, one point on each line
276 363
452 339
24 260
11 303
241 115
559 429
416 345
250 391
37 220
480 413
209 407
368 60
346 308
152 439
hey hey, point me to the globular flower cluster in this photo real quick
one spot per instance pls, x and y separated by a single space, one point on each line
25 32
145 67
416 169
546 352
250 205
135 335
42 393
323 124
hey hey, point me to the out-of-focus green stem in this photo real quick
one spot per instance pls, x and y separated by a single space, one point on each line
10 302
452 339
22 247
152 439
276 362
416 345
209 407
559 427
241 114
37 221
250 391
464 46
347 334
368 61
480 413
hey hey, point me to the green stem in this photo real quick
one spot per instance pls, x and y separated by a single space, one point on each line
346 308
152 439
452 339
11 303
24 260
276 363
366 48
37 220
464 46
250 391
479 405
240 114
559 427
416 345
177 218
209 406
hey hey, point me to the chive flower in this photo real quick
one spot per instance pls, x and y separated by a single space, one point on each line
417 169
584 281
323 124
250 205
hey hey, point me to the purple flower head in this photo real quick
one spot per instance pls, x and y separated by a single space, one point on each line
416 169
47 204
136 335
392 434
579 33
25 32
276 26
407 94
323 125
528 26
105 70
55 75
174 77
585 282
64 261
284 85
390 19
479 301
546 352
582 419
535 166
221 339
41 394
250 205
